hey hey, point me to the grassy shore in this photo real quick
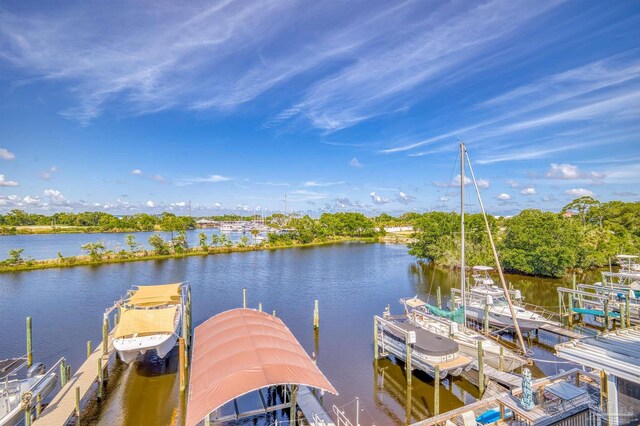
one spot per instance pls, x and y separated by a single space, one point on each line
121 257
59 229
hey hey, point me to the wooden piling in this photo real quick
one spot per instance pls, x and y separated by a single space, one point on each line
622 322
181 365
438 298
606 314
38 405
480 367
29 343
116 319
68 373
100 378
207 420
375 339
77 405
408 367
28 416
436 391
244 298
260 306
105 336
560 300
293 412
316 316
452 302
63 374
486 319
89 348
570 308
627 310
274 312
501 366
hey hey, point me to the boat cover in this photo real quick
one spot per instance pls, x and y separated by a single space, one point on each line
145 321
240 351
154 295
429 343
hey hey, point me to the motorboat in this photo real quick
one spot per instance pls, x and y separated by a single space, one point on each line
20 384
497 356
484 292
150 320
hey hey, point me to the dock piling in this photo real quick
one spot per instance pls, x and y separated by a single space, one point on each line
480 367
38 405
77 405
375 339
260 306
501 366
316 316
274 312
89 348
408 367
244 297
29 342
486 319
438 298
28 416
105 336
622 322
627 311
570 309
436 391
606 314
293 411
68 374
100 379
63 374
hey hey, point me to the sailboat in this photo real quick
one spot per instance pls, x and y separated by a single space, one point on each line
150 320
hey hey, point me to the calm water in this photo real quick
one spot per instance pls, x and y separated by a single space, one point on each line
47 246
351 281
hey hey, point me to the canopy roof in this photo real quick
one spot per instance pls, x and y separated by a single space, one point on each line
154 295
240 351
482 268
145 322
414 302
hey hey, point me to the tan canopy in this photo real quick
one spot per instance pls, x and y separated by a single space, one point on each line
240 351
145 322
154 295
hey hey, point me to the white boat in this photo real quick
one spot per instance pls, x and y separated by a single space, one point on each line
14 389
150 320
484 292
467 339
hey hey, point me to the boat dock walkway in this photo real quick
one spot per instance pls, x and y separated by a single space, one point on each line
313 411
561 331
509 380
64 404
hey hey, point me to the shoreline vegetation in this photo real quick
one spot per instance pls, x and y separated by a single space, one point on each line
585 235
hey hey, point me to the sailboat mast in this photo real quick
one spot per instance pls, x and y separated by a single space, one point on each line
463 286
497 260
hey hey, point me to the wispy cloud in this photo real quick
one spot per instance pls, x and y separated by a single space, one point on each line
5 182
5 154
205 179
378 199
313 183
355 163
580 192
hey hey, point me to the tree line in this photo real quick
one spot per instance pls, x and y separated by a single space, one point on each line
586 234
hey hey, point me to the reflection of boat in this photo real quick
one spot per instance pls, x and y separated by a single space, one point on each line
36 382
428 349
485 292
150 319
419 314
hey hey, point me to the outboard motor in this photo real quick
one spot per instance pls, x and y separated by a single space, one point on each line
36 369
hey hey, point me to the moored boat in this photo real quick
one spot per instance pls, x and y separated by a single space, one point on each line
150 320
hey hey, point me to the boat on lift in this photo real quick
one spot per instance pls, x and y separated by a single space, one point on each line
19 383
150 320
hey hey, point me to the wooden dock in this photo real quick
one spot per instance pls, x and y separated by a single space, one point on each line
313 411
511 381
561 331
63 405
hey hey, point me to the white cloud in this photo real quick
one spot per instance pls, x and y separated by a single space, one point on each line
6 154
580 192
355 163
569 172
528 191
4 182
482 183
405 198
31 201
150 204
378 199
313 183
47 174
206 179
504 197
512 183
179 204
136 172
56 198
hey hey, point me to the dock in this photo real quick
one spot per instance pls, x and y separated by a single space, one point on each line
66 402
561 331
509 380
313 411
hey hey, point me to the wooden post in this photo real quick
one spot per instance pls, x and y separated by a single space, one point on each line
29 343
105 336
627 310
68 373
27 415
606 314
316 316
260 306
38 405
100 378
603 387
63 374
181 365
407 366
207 420
89 348
274 312
452 302
623 316
375 339
560 300
436 391
480 367
486 318
578 378
77 405
501 358
116 319
293 412
244 298
438 298
571 309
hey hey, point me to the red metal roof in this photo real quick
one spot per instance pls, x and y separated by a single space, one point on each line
240 351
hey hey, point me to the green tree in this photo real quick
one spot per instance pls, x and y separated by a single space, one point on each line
202 239
132 243
581 207
15 256
95 250
215 240
159 245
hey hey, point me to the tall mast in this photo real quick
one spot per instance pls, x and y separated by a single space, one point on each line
497 260
463 287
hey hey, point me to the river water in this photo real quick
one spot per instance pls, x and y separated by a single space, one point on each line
352 282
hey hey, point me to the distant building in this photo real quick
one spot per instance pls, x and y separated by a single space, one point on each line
568 214
205 223
399 229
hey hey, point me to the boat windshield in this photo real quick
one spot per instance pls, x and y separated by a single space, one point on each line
500 301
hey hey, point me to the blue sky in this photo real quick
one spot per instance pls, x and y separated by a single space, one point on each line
355 105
